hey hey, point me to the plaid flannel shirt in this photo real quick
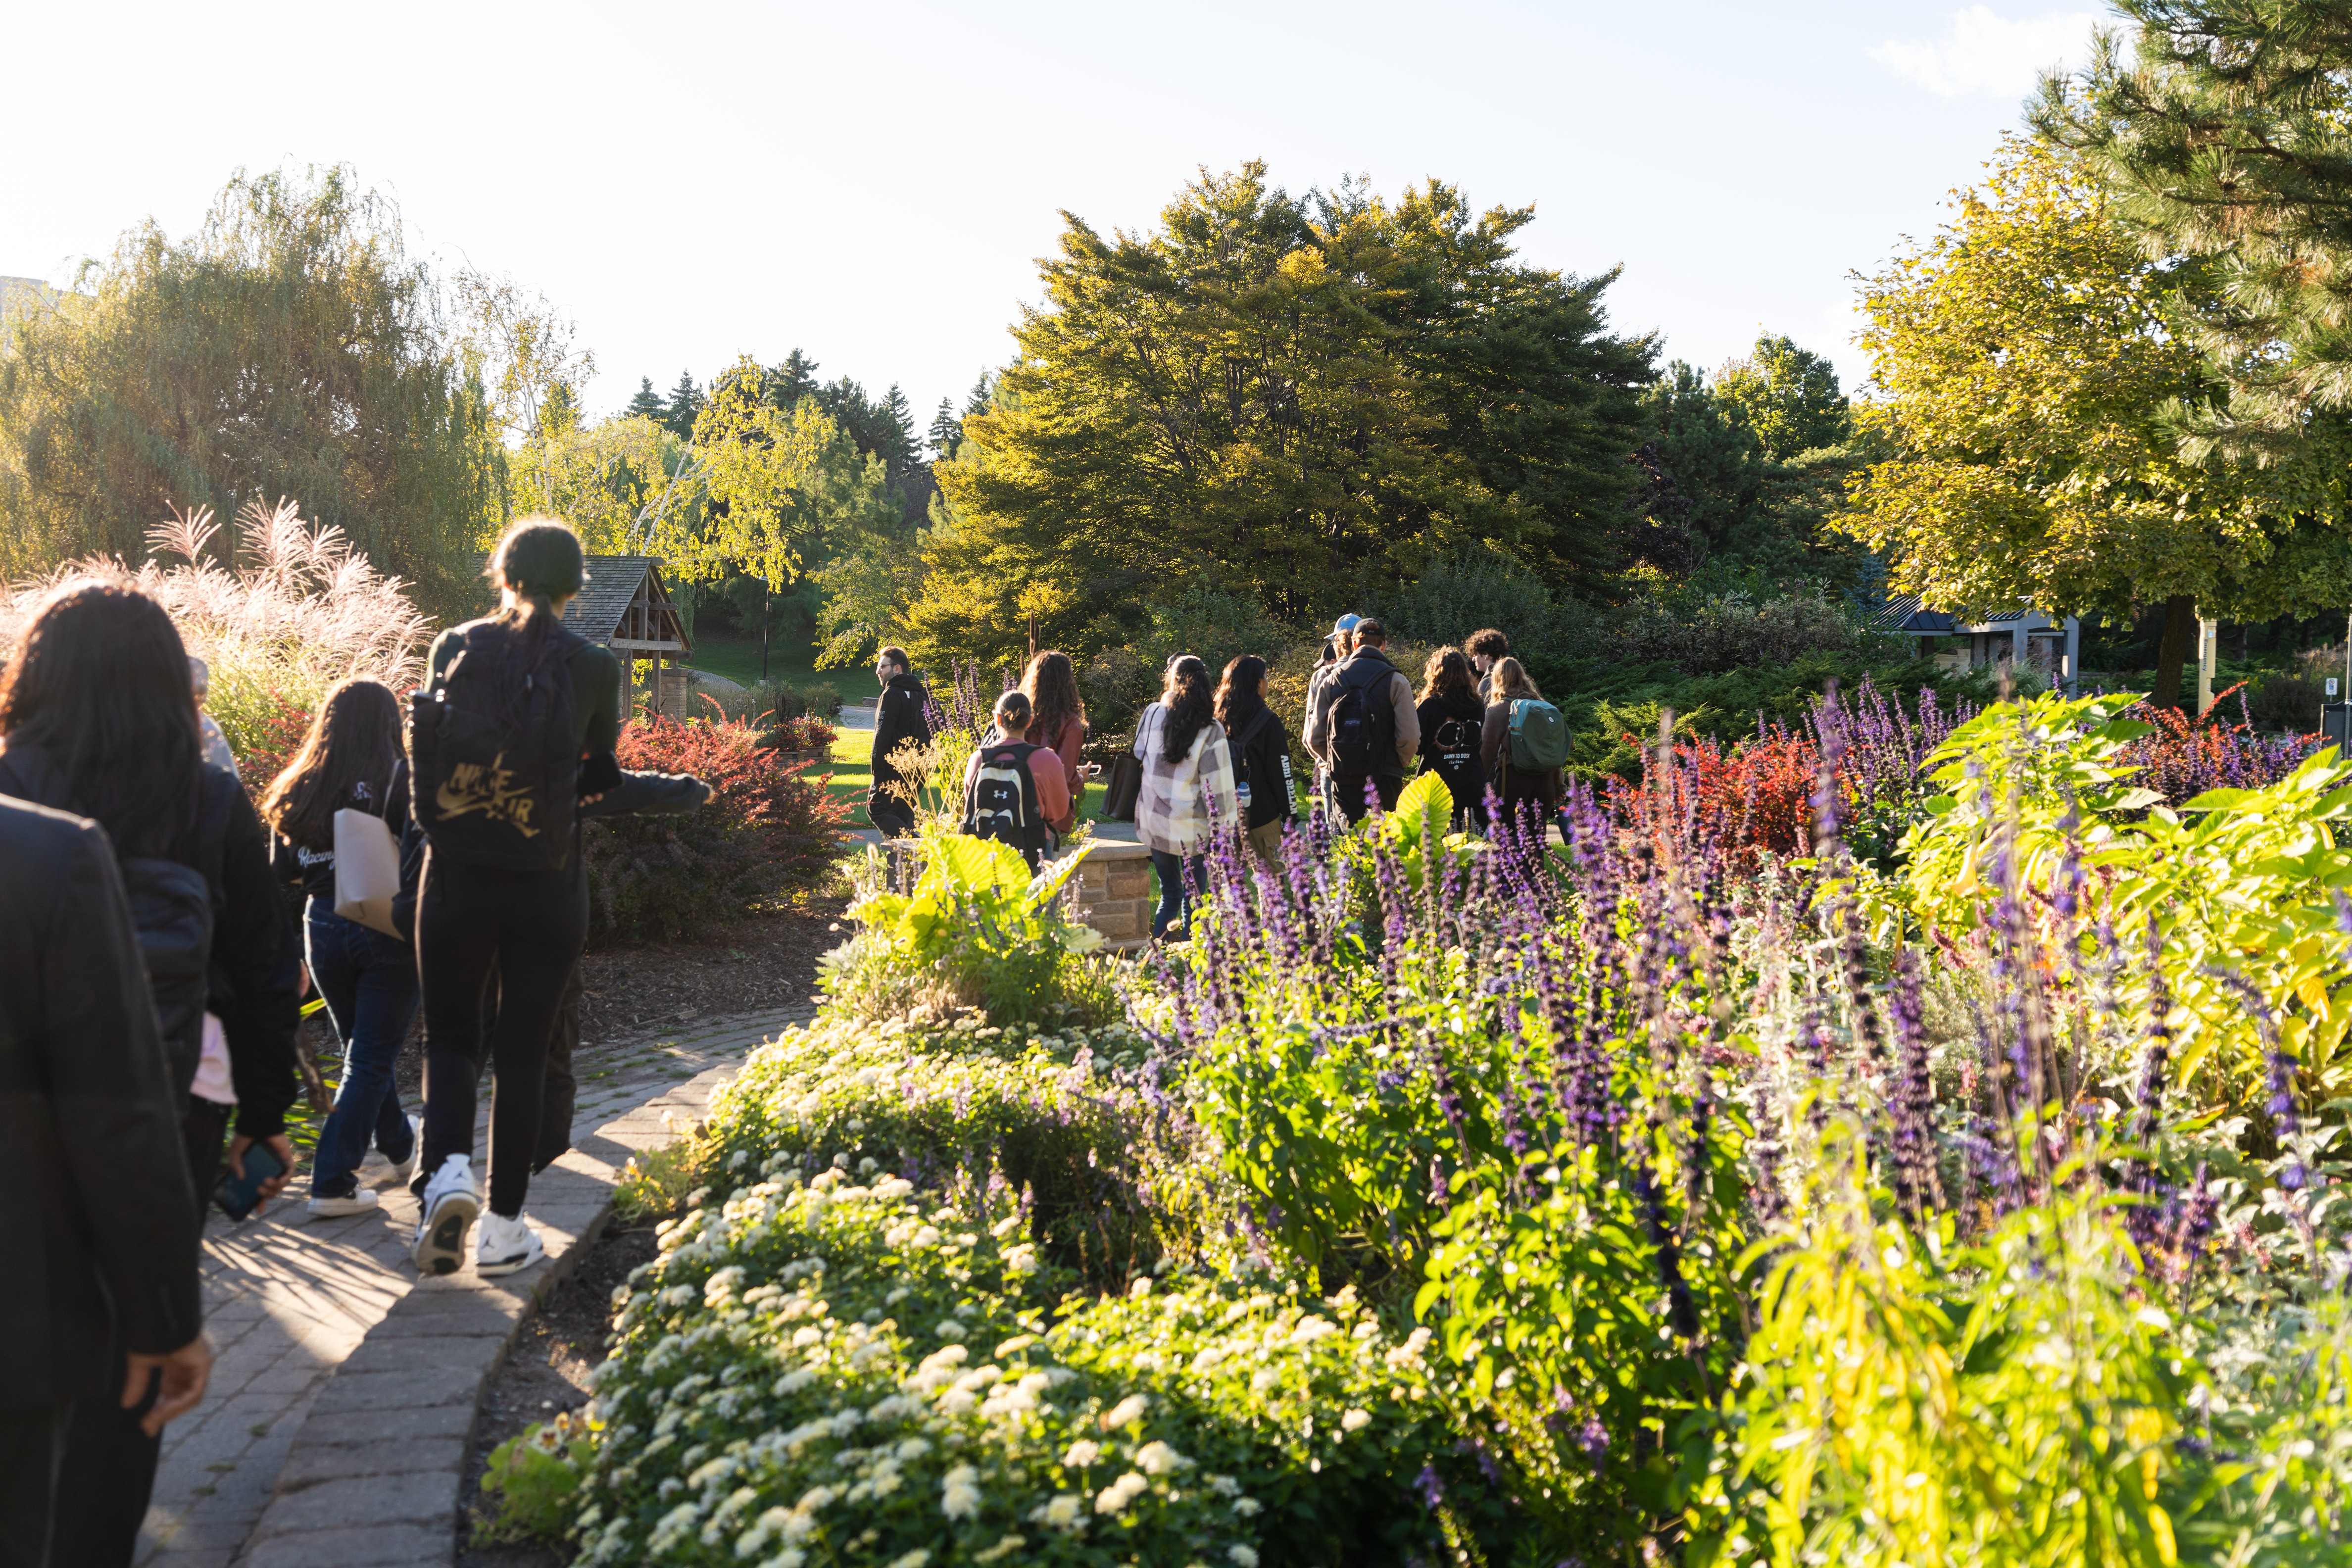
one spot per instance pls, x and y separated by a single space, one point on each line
1172 812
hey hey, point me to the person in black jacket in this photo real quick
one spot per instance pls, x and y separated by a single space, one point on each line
99 1242
898 719
350 760
96 718
1261 752
1452 721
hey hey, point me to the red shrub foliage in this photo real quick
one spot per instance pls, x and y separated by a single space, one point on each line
769 825
271 744
1753 800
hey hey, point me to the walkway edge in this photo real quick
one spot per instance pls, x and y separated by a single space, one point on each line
374 1475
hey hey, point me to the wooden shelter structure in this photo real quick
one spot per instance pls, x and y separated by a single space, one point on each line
625 607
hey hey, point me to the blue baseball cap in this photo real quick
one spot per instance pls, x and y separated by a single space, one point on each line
1345 624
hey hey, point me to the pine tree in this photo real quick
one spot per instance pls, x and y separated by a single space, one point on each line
976 401
791 381
685 402
947 429
2227 145
902 418
646 404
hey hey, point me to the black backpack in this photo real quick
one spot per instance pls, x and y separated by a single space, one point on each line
173 904
488 793
1364 720
1001 802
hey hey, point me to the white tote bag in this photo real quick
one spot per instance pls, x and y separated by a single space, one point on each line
367 870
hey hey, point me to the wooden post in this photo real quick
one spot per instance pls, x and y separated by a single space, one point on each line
628 684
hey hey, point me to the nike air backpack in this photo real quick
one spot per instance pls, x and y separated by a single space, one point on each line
1363 720
172 905
1539 736
1001 801
491 751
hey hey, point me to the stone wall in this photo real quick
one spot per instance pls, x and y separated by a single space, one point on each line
1113 887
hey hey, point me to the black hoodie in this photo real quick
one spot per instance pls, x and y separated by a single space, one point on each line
898 719
1260 752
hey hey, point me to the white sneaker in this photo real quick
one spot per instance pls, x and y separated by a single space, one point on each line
506 1245
407 1168
362 1200
448 1208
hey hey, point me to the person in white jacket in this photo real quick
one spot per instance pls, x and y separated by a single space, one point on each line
1188 771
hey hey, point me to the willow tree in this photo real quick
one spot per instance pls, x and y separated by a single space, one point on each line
2031 392
291 347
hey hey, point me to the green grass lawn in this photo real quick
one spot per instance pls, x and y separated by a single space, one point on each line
739 660
852 777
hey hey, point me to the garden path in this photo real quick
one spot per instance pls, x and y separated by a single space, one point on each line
290 1300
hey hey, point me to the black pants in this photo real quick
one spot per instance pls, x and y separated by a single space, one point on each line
204 1126
1348 793
532 925
32 1441
559 1098
106 1475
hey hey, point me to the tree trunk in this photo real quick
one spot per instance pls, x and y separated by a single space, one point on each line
2172 652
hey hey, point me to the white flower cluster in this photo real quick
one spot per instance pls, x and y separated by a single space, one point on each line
798 1375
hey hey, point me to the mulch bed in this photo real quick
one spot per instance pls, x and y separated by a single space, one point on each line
547 1371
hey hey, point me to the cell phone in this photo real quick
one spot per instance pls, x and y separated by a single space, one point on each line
237 1196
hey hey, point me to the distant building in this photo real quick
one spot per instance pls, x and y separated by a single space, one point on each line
2021 638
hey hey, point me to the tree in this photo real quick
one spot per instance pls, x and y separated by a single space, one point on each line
1788 396
686 402
947 429
982 388
2227 141
1305 399
289 348
619 483
2027 369
646 404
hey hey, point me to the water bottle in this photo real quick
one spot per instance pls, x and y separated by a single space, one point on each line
1241 798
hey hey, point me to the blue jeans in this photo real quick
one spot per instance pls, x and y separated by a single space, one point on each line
1179 876
369 982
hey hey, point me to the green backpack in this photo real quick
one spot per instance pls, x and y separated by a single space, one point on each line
1539 736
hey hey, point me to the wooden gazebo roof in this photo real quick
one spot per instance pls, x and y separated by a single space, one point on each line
625 607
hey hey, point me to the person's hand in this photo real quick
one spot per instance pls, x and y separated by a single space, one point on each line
277 1144
305 969
185 1371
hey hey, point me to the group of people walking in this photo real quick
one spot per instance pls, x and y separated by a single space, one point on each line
151 985
1211 750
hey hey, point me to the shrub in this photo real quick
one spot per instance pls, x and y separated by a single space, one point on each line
800 735
838 1372
768 827
976 931
1735 630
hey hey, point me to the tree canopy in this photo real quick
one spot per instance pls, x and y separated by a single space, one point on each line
290 347
2029 376
1303 397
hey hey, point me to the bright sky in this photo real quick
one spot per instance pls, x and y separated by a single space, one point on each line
873 184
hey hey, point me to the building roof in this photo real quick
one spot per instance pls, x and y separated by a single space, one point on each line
616 585
1907 616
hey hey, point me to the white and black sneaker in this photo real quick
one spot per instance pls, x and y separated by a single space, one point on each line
506 1245
449 1206
403 1169
361 1201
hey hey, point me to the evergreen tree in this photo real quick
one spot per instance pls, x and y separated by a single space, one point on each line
2226 144
902 417
976 401
646 404
946 430
686 402
791 381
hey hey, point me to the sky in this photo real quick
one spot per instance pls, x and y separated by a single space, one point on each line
873 184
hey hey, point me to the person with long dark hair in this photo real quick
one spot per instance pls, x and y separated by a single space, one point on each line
98 718
1058 721
1260 749
519 724
1452 728
350 761
1187 772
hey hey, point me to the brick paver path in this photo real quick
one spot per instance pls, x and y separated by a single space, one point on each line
289 1301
